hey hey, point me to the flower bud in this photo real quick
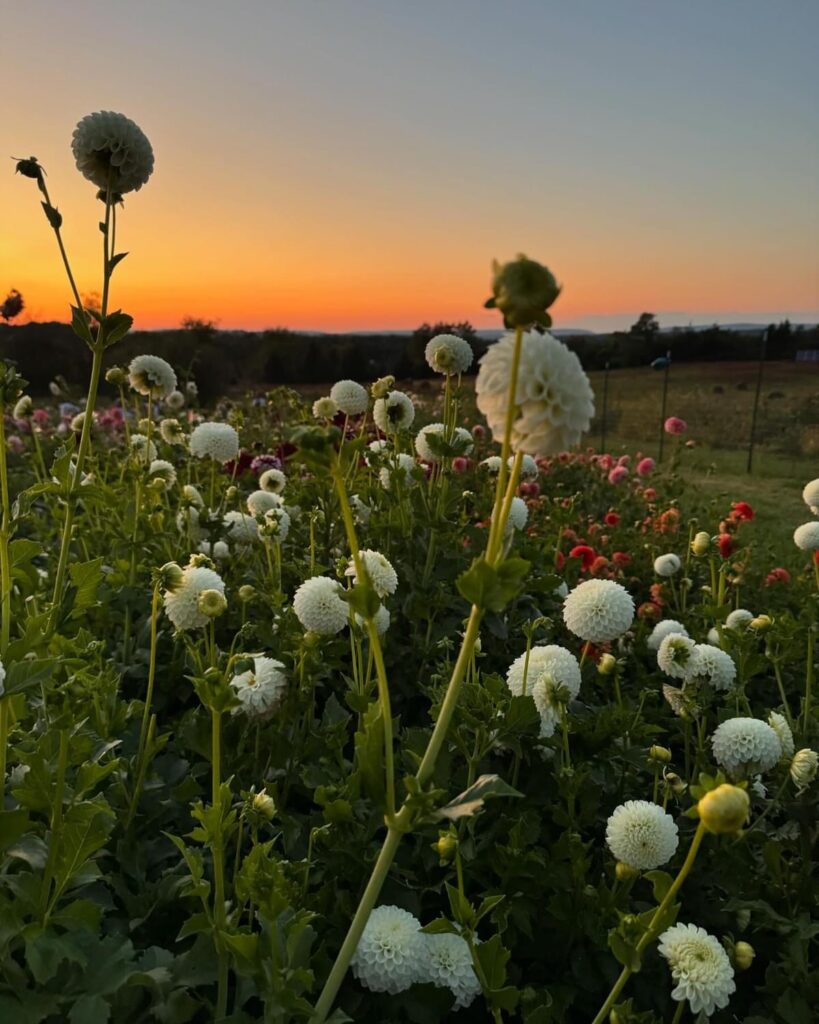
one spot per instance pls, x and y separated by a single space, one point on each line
701 543
743 957
246 593
724 809
382 387
144 425
804 768
324 408
264 805
761 623
606 665
446 846
200 560
658 753
231 492
170 576
624 872
675 783
523 290
211 603
116 375
157 520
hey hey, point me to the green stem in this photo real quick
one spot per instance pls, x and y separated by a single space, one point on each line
809 672
56 825
219 868
495 527
5 590
146 712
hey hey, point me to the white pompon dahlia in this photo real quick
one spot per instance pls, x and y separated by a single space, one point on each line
393 413
663 629
667 565
460 437
551 660
677 656
806 536
112 152
382 575
143 448
529 469
260 502
150 375
217 441
187 519
642 835
182 603
518 516
241 529
276 524
700 967
447 963
405 465
389 951
715 665
350 397
175 401
163 470
448 354
273 480
745 746
552 690
810 496
492 463
319 607
780 726
171 431
738 618
598 610
381 619
261 688
554 399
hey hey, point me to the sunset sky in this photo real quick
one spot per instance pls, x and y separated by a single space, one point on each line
358 163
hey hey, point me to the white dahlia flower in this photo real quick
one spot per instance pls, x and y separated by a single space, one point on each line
324 408
518 516
492 463
241 529
192 495
171 431
175 401
182 603
112 152
806 536
552 660
642 835
218 550
713 637
554 399
381 618
663 629
389 951
351 398
187 519
553 689
448 354
150 375
276 524
393 413
745 746
260 501
677 656
143 449
447 963
667 565
261 688
24 408
2 678
382 575
318 606
405 465
780 726
598 610
217 441
700 967
804 767
738 618
460 437
529 469
810 496
715 665
273 480
164 471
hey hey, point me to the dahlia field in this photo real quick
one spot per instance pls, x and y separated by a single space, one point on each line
389 709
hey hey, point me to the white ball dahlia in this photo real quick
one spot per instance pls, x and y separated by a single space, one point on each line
677 656
642 835
389 951
447 963
518 516
700 967
171 431
492 463
241 529
261 688
780 726
150 375
382 575
112 152
448 354
745 746
551 660
217 441
810 496
187 519
175 401
260 501
667 565
529 469
460 437
738 618
182 603
554 399
142 448
806 536
350 397
318 606
715 665
381 619
403 467
218 550
163 470
273 480
393 413
598 610
276 524
663 629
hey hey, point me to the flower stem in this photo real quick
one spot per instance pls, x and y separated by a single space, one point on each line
219 868
5 591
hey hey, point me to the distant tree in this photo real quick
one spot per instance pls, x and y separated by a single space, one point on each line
647 326
202 328
13 305
463 329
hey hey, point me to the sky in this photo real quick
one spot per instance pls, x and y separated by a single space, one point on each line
342 164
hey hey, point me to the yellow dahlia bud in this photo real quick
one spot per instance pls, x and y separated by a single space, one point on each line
382 387
523 290
701 543
804 767
231 492
116 375
265 805
623 872
761 623
200 560
675 783
446 846
724 809
211 603
744 954
246 593
170 576
607 664
658 753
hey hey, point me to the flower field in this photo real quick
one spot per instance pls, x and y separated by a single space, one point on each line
388 708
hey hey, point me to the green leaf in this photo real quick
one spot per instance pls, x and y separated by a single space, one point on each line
115 260
492 588
55 218
471 801
625 953
86 577
369 754
462 909
487 906
440 926
661 881
79 324
493 957
13 824
85 829
90 1010
363 599
116 325
23 675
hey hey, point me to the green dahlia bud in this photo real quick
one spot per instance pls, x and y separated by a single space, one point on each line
264 805
200 560
170 576
382 387
744 954
724 809
211 603
606 665
117 376
623 872
246 593
658 753
446 846
523 290
701 543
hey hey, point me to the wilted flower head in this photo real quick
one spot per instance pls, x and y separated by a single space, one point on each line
554 400
218 441
598 610
780 726
389 951
260 689
112 152
642 835
319 607
393 413
745 746
448 354
700 967
804 767
350 397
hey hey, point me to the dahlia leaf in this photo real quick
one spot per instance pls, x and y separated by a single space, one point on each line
471 801
55 218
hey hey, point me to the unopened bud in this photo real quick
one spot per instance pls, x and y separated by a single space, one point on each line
446 846
116 375
201 561
231 492
701 543
658 753
264 805
624 872
724 809
744 954
761 623
211 603
382 387
675 783
246 593
171 576
606 665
